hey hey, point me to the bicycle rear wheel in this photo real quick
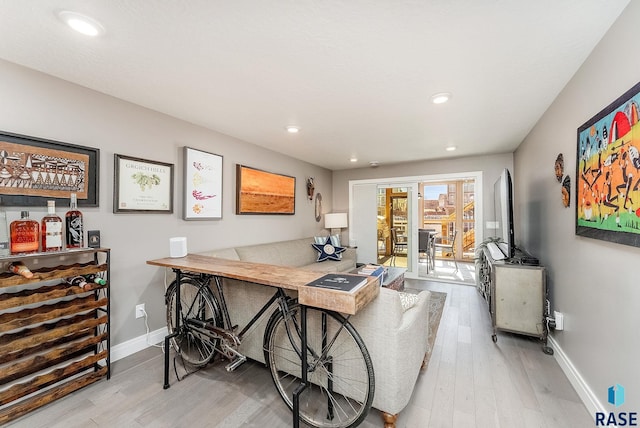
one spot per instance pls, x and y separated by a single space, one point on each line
340 372
196 302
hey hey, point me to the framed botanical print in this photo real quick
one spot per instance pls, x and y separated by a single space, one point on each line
142 186
202 185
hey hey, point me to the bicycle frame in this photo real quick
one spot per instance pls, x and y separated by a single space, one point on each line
225 334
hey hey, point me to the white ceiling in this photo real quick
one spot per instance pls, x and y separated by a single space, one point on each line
355 75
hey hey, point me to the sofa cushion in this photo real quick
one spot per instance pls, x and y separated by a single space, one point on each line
294 253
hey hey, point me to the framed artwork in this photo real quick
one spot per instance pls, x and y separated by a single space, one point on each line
318 208
142 186
262 192
202 185
608 173
34 171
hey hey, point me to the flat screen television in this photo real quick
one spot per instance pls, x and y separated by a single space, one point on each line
503 203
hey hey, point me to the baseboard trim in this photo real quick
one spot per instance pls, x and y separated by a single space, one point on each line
137 344
590 400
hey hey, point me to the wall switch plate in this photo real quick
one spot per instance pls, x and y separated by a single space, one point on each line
140 310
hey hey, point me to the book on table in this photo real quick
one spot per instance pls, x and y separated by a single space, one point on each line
373 270
339 281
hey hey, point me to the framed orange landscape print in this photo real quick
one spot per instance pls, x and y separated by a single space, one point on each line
262 192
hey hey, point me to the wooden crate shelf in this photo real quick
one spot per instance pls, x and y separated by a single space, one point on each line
54 337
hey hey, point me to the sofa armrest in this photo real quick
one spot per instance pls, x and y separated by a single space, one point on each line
397 343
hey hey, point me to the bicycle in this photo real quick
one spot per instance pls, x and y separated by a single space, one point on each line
339 372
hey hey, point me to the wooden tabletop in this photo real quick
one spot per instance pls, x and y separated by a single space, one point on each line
278 276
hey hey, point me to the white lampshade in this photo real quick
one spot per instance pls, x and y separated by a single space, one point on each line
335 220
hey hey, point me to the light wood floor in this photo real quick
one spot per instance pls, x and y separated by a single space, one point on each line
470 382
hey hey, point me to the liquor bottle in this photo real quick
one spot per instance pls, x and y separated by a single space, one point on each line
25 235
4 233
51 229
73 225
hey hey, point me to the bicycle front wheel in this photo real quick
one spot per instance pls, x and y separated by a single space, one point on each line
340 372
196 302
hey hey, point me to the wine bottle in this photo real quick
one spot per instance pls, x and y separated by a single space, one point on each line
73 225
20 269
78 281
51 229
25 235
92 277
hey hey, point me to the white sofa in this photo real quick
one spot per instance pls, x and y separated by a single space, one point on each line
394 332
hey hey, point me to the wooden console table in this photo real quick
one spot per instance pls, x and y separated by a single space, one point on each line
278 276
274 276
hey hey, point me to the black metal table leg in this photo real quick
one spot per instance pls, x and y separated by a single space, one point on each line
303 385
167 346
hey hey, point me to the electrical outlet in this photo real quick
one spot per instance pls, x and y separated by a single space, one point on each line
559 317
140 310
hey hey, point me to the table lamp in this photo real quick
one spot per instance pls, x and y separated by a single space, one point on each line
335 222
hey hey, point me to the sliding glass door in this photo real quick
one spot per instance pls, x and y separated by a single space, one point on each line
407 204
397 240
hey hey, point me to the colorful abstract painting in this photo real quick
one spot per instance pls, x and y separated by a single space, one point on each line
608 173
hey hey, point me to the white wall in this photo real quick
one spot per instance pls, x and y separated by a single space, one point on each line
594 283
38 105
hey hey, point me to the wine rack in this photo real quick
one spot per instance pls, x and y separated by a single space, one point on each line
54 337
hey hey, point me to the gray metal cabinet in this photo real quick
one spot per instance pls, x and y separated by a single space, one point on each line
516 295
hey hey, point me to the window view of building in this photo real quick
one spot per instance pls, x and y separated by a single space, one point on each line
442 204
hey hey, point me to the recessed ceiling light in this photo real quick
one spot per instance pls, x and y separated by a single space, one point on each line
451 148
81 23
440 98
353 159
293 129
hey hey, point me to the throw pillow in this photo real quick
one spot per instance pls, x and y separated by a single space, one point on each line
335 241
407 300
328 251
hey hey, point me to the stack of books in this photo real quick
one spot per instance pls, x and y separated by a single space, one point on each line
373 270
